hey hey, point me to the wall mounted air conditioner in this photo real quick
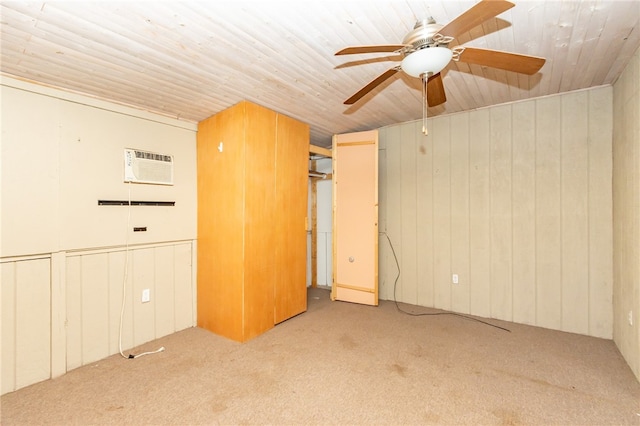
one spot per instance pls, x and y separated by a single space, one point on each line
147 167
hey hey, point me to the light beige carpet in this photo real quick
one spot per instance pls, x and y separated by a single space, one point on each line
341 363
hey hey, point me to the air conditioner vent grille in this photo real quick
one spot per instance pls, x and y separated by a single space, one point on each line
153 156
148 167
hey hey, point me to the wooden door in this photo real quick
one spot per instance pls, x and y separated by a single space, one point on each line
292 161
220 162
260 213
355 217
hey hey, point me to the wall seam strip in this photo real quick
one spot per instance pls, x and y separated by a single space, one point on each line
535 213
511 206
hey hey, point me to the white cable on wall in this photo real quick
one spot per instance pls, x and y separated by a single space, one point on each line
124 282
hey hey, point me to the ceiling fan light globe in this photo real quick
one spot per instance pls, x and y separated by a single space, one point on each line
429 61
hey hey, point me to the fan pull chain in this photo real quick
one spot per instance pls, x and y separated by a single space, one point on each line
424 103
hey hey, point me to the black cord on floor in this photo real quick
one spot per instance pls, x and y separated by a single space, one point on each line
422 314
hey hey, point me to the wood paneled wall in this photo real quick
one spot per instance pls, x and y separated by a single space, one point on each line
626 217
54 173
62 255
94 284
61 312
514 199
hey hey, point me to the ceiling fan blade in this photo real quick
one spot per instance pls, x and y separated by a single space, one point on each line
435 91
370 49
503 60
369 87
476 15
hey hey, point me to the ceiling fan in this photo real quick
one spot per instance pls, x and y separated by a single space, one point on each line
425 51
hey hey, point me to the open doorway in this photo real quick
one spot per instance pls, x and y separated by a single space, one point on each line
319 224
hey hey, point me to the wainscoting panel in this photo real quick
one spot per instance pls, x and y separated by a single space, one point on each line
94 299
26 334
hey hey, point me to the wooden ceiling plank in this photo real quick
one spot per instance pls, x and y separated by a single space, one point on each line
562 42
587 27
519 38
621 23
532 15
548 24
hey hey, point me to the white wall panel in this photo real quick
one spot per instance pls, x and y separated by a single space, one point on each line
325 188
8 277
460 255
324 206
95 307
91 168
26 335
33 313
321 258
424 204
56 167
439 138
501 220
143 270
524 213
409 214
74 312
29 153
94 299
116 271
324 258
184 286
575 212
600 212
393 223
164 278
626 216
479 214
548 258
512 208
58 314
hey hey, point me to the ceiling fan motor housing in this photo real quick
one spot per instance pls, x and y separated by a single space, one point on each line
422 35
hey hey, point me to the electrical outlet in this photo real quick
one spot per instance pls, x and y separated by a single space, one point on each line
146 295
454 278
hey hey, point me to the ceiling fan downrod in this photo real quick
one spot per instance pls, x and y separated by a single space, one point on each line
425 79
